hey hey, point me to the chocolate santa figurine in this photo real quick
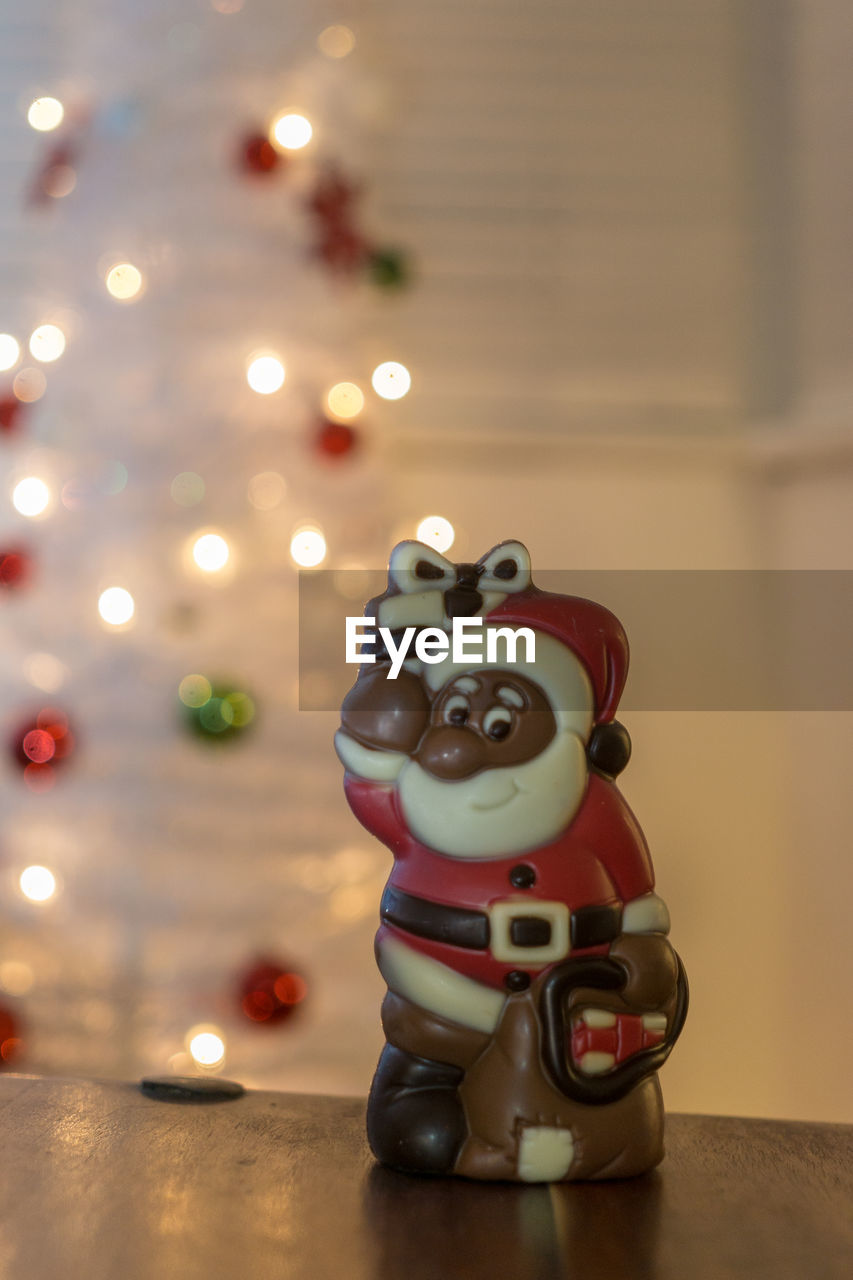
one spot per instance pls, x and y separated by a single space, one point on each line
532 991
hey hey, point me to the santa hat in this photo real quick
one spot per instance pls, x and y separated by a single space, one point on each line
581 655
591 632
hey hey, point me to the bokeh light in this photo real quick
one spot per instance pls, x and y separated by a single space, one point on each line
47 343
353 902
45 114
352 581
31 496
211 552
291 131
436 532
116 606
45 672
265 374
266 490
195 690
336 41
29 385
58 181
227 6
11 1043
124 281
39 744
390 380
216 711
308 547
16 977
271 992
206 1045
38 884
10 352
345 400
187 489
15 569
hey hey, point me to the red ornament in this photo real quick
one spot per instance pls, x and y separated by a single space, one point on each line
40 744
335 439
258 155
339 242
10 1037
341 248
270 991
14 569
10 411
333 197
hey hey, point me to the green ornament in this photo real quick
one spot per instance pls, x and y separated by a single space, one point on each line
217 712
388 268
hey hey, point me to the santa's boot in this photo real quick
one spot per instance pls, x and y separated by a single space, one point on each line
415 1119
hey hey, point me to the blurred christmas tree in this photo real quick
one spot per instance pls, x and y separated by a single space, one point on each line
191 311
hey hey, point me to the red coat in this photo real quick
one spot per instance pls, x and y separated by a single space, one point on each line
601 857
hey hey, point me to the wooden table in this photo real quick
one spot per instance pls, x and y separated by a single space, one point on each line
101 1181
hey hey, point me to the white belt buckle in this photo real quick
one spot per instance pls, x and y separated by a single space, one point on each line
501 916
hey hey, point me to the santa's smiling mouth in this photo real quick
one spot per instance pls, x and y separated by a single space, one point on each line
499 804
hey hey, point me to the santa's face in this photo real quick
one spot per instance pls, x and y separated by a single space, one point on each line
494 774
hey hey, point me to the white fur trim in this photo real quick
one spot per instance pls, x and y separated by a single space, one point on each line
497 812
433 986
364 762
648 914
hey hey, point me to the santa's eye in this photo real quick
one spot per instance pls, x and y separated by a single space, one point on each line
456 710
497 723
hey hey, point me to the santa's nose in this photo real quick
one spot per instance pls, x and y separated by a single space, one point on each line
449 751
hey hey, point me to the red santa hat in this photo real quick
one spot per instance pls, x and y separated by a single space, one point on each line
591 632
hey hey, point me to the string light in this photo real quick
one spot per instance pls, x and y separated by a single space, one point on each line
47 343
265 374
116 606
336 41
124 281
211 552
37 883
391 381
29 385
436 532
10 352
45 114
291 132
308 547
345 400
206 1045
30 496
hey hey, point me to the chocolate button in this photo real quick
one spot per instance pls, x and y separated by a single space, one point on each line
191 1089
522 876
517 980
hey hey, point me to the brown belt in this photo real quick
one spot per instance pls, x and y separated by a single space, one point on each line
591 926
